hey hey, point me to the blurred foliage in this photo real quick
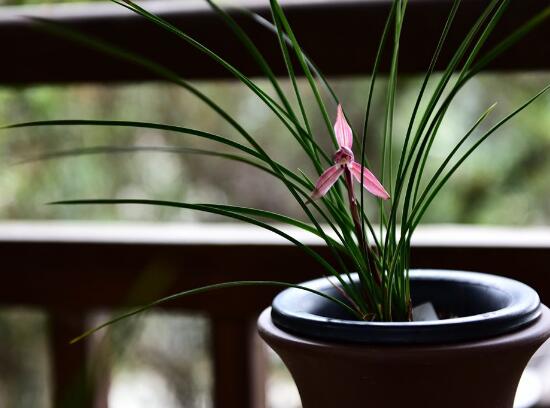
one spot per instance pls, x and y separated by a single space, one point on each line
162 360
24 359
502 183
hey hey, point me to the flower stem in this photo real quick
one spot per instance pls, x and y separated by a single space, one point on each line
359 229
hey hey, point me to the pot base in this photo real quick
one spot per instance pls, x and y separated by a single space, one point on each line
477 374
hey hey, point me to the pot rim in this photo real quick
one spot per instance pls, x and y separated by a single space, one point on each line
522 309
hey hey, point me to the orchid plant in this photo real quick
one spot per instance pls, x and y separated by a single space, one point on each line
335 210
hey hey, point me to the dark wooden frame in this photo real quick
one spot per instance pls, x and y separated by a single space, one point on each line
345 46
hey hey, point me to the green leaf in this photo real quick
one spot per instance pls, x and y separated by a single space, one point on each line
312 66
285 117
162 72
253 51
145 125
280 17
421 209
209 288
219 210
315 149
297 183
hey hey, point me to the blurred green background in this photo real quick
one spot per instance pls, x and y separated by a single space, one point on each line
504 182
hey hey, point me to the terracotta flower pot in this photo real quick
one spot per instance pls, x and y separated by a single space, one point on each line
474 360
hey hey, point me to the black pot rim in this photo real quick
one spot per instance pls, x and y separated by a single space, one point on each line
523 307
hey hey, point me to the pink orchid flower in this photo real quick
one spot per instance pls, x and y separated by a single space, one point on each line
344 161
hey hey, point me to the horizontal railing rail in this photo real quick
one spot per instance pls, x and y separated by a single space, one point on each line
87 266
341 37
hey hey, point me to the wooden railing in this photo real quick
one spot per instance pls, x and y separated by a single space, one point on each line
73 270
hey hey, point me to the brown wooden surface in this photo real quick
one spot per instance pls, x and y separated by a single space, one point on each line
239 363
71 386
341 37
106 270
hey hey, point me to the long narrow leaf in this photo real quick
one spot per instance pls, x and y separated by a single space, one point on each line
209 288
263 64
317 73
213 209
285 117
421 209
253 51
280 15
280 171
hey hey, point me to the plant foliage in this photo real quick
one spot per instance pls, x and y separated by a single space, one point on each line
381 255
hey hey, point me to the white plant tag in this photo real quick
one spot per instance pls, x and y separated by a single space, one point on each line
424 312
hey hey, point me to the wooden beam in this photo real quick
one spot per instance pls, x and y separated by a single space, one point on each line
239 363
70 380
341 37
88 266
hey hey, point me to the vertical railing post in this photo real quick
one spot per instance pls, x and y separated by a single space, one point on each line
239 363
69 375
73 383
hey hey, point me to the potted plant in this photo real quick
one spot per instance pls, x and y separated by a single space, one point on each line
371 332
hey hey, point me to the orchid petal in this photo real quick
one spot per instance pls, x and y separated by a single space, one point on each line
326 181
344 134
370 182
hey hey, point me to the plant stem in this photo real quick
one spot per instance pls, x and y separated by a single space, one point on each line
354 210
